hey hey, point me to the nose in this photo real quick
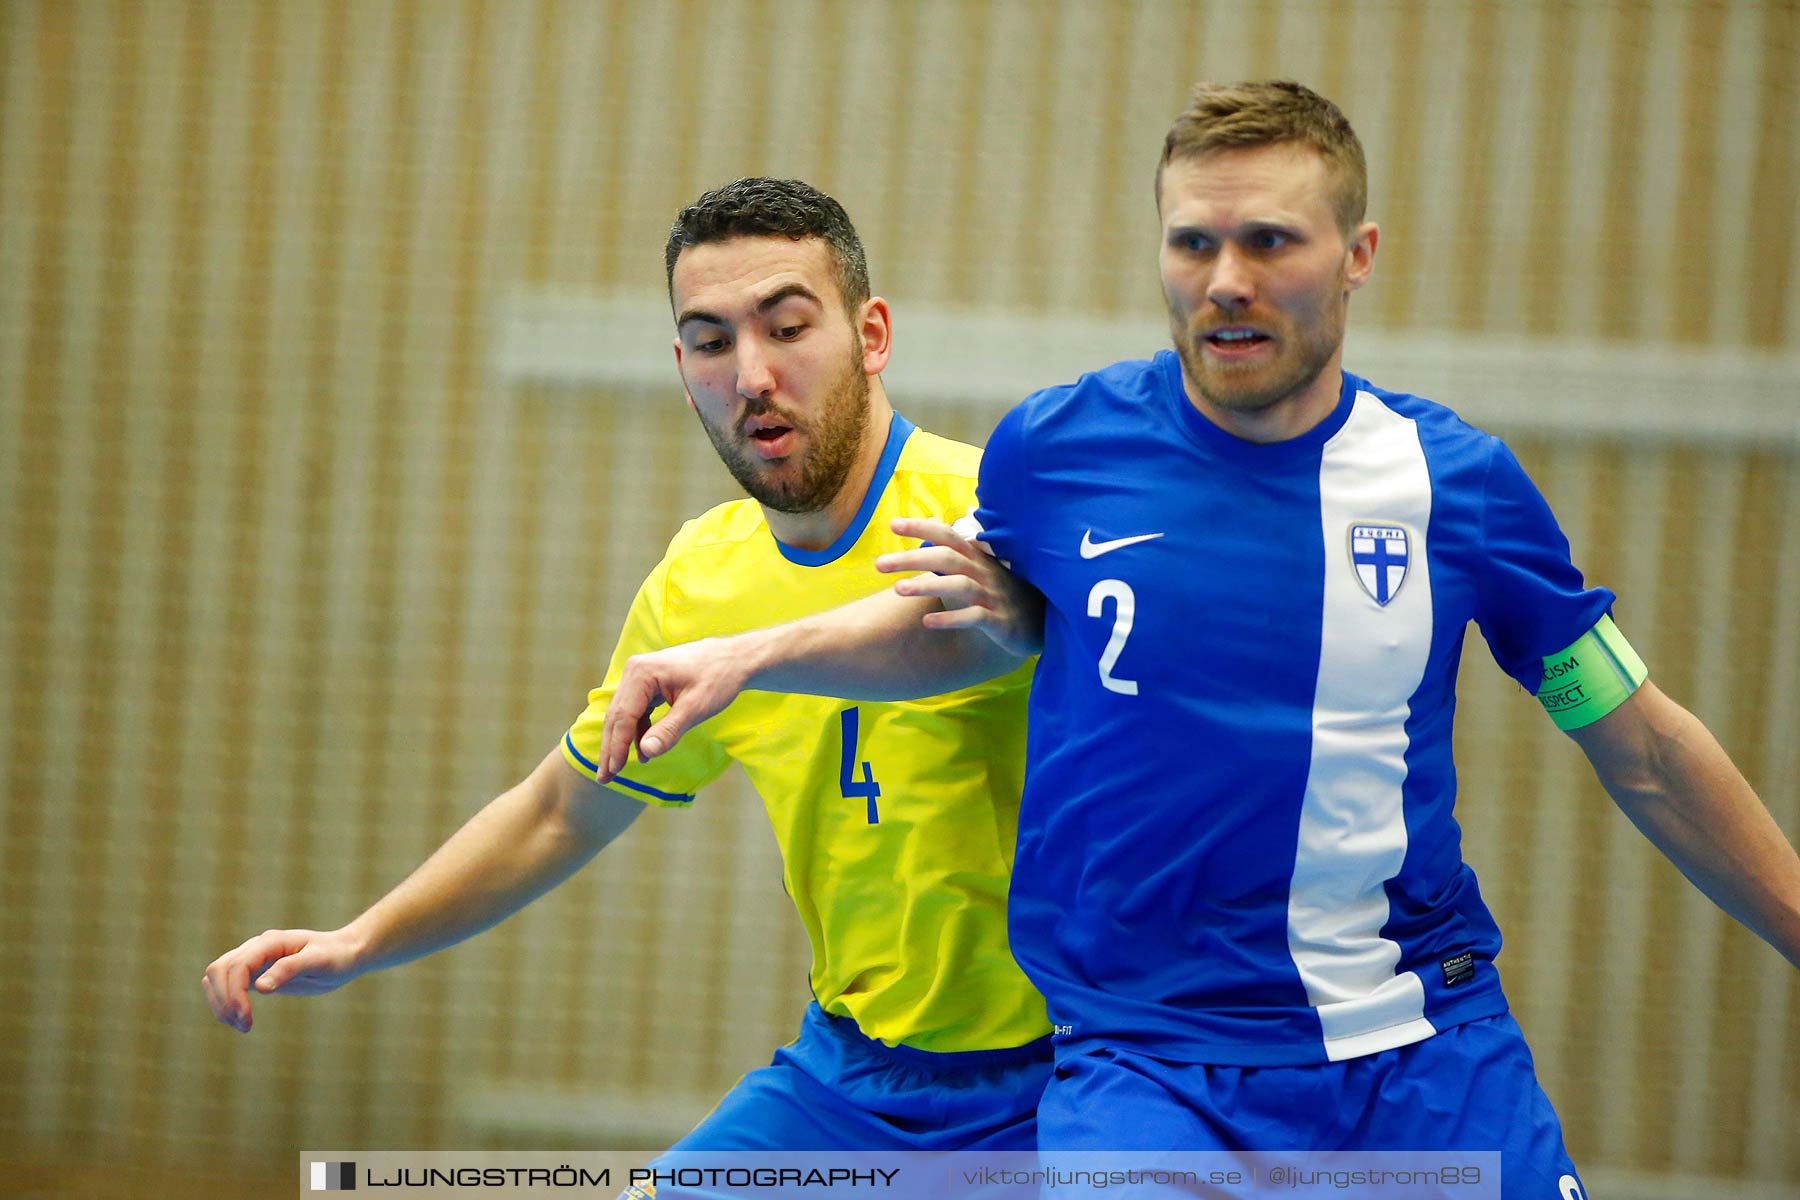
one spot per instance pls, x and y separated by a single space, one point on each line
1231 285
755 379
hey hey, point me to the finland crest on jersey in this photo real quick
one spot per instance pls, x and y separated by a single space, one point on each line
1379 553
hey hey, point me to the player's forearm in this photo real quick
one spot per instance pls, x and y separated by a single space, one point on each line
522 844
876 648
1685 794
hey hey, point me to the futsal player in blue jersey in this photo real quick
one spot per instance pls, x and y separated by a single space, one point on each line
1238 881
896 821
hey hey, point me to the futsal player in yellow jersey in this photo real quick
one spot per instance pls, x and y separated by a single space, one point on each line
896 821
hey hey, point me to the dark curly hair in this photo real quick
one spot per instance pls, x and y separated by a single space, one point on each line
759 207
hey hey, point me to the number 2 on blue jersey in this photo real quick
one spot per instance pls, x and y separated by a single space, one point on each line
852 787
1124 612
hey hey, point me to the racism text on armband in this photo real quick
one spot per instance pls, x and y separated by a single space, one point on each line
1590 678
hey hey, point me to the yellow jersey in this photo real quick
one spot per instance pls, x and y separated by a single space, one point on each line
896 821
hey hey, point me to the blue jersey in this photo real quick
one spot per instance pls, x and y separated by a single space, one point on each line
1236 843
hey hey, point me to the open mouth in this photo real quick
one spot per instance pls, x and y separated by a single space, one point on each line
770 439
1235 339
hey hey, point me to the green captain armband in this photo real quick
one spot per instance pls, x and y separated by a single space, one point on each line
1591 678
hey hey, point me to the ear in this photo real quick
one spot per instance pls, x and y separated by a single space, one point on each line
1359 258
684 385
875 324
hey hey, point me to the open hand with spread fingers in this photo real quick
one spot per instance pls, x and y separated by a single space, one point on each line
975 588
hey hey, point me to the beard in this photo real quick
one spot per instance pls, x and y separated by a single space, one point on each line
1303 349
810 478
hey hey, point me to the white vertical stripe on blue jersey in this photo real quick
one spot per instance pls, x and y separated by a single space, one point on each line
1352 836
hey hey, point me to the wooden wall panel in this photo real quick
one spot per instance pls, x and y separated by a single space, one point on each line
291 581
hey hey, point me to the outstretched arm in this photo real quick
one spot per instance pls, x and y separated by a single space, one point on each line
522 844
1678 786
966 620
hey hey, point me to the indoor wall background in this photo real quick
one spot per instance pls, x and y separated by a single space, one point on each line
292 578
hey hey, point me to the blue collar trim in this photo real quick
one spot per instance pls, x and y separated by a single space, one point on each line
1203 433
899 429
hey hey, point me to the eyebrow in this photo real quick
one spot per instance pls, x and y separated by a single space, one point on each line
773 299
1252 225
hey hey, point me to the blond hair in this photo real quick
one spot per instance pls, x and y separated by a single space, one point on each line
1272 112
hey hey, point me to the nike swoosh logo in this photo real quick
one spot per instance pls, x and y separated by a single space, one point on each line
1093 549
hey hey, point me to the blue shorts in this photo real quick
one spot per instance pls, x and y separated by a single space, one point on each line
834 1088
1471 1087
